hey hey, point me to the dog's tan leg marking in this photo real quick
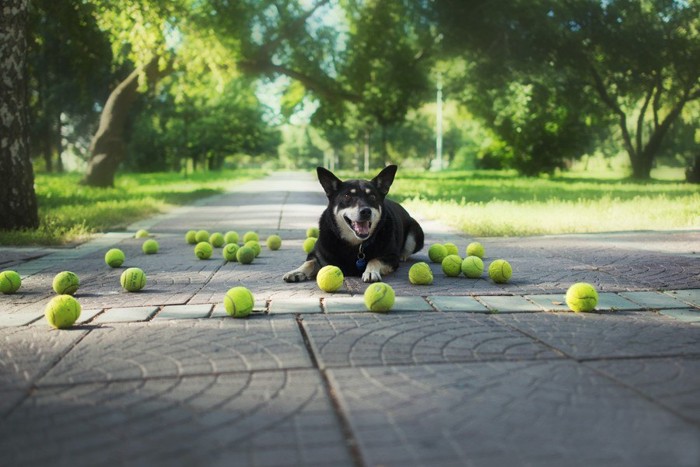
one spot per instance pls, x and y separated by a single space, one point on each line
375 270
408 247
305 272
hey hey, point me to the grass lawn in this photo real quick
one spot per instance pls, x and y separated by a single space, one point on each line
482 203
70 212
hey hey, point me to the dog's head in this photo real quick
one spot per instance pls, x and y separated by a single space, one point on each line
356 204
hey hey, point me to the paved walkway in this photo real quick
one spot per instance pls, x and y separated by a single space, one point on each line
463 372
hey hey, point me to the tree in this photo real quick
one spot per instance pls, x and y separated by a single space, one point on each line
18 208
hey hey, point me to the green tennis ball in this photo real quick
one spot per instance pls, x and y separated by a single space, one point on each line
472 267
437 252
10 282
114 258
245 255
217 240
312 232
150 247
330 278
141 233
191 237
133 279
420 274
582 297
66 283
500 271
451 248
255 246
274 242
62 311
250 235
452 265
231 237
203 250
379 297
475 249
239 302
202 236
309 244
229 251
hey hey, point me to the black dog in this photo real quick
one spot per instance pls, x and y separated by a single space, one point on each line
361 231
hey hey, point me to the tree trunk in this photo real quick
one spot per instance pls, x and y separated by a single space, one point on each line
641 166
18 208
108 148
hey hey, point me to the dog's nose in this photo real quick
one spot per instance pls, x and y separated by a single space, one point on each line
365 213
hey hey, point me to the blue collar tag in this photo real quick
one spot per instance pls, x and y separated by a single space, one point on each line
361 264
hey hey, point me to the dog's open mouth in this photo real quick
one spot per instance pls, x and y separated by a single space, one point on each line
361 228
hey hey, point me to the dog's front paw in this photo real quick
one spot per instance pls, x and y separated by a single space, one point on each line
296 276
371 276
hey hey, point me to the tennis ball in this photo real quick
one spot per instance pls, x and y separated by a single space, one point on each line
472 267
150 247
66 283
309 244
437 252
500 271
248 236
274 242
329 278
133 279
10 282
245 255
420 274
475 249
141 233
312 232
451 248
114 257
203 250
452 265
255 247
229 251
238 302
379 297
191 237
231 236
217 240
62 311
581 297
202 236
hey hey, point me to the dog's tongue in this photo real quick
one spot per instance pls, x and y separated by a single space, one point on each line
361 228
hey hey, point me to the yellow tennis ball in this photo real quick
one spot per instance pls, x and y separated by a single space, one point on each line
10 282
451 248
420 274
452 265
330 278
231 236
62 311
133 279
202 236
475 249
312 232
437 252
150 247
245 255
500 271
472 267
114 257
250 235
582 297
203 250
66 283
141 233
229 251
309 244
274 242
239 302
191 237
379 297
255 246
217 240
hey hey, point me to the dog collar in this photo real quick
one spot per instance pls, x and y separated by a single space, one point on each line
361 262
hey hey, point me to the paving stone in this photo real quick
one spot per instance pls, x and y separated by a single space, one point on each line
396 338
620 334
19 318
507 413
177 348
549 302
120 315
183 312
88 315
344 304
454 303
690 315
507 304
614 302
260 418
653 300
295 305
404 303
691 297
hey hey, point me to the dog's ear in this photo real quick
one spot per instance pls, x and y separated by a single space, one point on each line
385 178
329 182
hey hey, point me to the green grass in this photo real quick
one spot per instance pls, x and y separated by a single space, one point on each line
70 212
504 204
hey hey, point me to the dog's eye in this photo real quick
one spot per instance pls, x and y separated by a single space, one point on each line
347 196
372 197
